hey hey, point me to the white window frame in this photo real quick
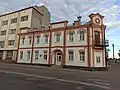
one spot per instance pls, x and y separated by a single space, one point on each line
71 36
37 39
98 59
21 54
28 55
11 42
23 41
57 38
81 35
45 55
46 39
70 55
30 40
36 55
82 56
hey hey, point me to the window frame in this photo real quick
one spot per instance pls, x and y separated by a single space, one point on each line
3 33
45 56
37 39
28 55
21 54
98 61
5 22
12 31
82 56
81 35
57 40
71 36
36 54
24 18
71 56
46 39
9 42
14 20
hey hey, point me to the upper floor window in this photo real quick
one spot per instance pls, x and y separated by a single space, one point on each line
12 31
14 20
11 42
4 22
3 32
82 55
23 40
38 39
57 37
46 39
71 55
24 18
71 36
30 40
2 44
81 35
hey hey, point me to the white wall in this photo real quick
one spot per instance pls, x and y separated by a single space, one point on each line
26 42
25 59
41 56
76 61
61 43
76 40
98 53
42 43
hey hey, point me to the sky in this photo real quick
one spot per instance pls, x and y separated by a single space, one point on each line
70 9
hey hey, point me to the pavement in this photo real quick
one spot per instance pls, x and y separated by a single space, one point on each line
28 77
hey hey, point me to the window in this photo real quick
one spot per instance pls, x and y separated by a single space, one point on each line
12 31
3 32
14 20
21 54
30 40
45 55
98 59
38 39
4 22
57 37
36 55
71 55
24 18
2 44
23 40
82 55
46 38
71 36
81 35
11 42
28 55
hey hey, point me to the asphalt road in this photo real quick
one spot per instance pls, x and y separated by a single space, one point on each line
17 77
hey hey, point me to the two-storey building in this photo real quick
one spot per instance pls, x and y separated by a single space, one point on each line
80 45
14 22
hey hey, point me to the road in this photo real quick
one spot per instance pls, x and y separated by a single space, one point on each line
25 77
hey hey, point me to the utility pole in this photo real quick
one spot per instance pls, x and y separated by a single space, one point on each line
113 52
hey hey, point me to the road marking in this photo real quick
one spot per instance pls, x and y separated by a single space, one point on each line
105 81
101 83
51 78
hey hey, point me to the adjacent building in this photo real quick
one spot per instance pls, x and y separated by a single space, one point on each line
15 22
80 45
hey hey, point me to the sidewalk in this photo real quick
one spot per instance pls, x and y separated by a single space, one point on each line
43 67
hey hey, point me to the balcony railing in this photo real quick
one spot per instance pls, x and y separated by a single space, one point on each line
101 43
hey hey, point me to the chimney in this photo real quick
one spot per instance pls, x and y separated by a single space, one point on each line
79 19
76 23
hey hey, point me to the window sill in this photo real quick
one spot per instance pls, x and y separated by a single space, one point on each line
81 40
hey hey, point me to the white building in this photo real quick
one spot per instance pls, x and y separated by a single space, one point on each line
77 45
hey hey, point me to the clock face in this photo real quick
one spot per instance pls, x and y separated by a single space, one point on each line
97 20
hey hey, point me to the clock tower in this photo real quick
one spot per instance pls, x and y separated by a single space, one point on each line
96 19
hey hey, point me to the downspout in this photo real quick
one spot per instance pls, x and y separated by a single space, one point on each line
18 49
32 47
88 47
50 57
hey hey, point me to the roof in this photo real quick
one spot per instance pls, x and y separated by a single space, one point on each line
34 7
59 22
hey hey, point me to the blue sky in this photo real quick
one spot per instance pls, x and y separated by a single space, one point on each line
70 9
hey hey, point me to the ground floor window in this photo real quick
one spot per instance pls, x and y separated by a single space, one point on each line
36 55
9 54
28 55
82 55
71 55
21 54
45 55
98 59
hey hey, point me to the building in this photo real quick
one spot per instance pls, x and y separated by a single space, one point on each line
14 22
80 45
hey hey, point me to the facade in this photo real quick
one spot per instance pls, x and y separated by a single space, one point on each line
14 22
76 45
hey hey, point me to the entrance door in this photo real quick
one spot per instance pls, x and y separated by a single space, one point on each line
58 58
